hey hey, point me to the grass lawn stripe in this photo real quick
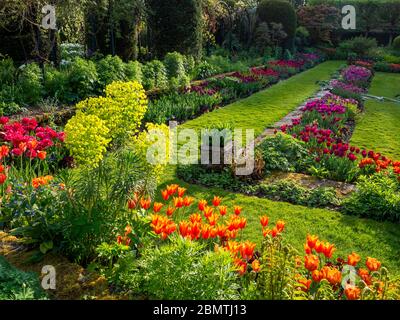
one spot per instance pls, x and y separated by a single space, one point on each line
378 128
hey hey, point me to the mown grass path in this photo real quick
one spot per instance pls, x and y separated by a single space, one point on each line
378 128
266 107
348 233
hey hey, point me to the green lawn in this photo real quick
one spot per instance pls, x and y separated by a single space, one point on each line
367 237
379 127
266 107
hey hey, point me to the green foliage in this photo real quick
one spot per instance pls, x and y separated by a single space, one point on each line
97 208
376 197
396 43
176 25
18 285
284 153
7 71
358 45
70 51
154 75
32 213
184 270
110 69
31 83
204 70
174 63
276 280
82 78
133 71
180 107
282 12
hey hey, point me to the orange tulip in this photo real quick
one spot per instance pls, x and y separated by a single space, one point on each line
205 232
42 155
1 168
241 265
319 246
202 204
222 210
208 211
3 178
280 225
157 206
183 228
266 232
274 232
317 275
255 265
181 192
328 249
311 262
4 151
334 276
365 276
172 189
131 204
352 292
264 221
178 202
305 284
311 241
195 218
212 219
145 203
128 230
165 194
216 201
170 211
221 230
246 249
353 259
307 249
187 201
373 264
237 210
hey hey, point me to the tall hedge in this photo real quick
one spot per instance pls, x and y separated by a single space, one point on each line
279 11
176 25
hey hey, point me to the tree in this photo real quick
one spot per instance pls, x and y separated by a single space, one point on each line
320 21
279 11
176 25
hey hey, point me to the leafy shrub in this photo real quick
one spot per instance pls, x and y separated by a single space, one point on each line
30 81
284 153
391 59
87 138
282 12
98 205
133 71
189 63
290 191
57 85
176 25
376 197
359 45
70 51
18 285
154 75
82 78
174 64
204 70
166 269
110 69
7 71
396 43
122 109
